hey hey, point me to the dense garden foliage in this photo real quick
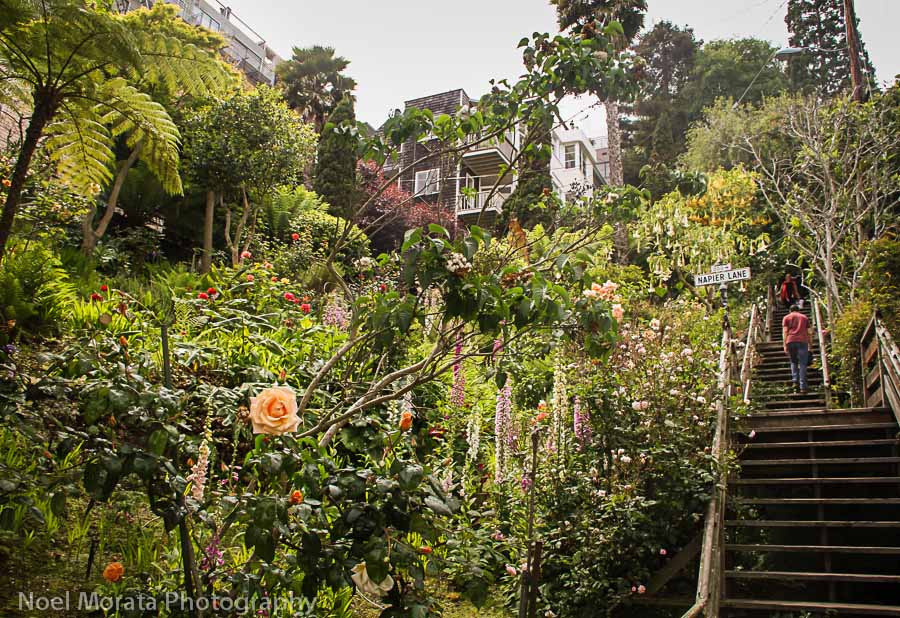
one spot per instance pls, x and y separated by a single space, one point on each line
222 385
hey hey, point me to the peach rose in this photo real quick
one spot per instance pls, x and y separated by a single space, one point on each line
274 411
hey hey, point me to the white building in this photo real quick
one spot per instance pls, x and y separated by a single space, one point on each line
246 49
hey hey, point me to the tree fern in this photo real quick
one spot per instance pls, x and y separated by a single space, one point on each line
89 75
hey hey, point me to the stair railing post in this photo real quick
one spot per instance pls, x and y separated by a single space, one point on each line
823 353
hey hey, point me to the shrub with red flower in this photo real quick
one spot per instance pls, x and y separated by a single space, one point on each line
96 297
104 288
305 308
203 296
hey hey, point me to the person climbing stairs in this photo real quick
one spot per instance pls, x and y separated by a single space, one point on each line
813 517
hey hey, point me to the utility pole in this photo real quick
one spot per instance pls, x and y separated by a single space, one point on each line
853 44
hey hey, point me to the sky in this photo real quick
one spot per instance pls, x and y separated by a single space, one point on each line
403 49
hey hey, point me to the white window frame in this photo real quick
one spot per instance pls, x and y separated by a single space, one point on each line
428 182
567 148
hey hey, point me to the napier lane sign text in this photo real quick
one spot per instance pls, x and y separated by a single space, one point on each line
722 277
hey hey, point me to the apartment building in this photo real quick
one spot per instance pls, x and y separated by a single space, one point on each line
480 178
246 49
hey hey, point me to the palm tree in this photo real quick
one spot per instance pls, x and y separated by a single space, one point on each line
313 82
84 72
630 14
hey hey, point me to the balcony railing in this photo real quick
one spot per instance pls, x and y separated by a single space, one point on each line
483 200
503 143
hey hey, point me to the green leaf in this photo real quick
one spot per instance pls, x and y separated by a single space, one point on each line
438 506
158 441
411 476
411 237
434 228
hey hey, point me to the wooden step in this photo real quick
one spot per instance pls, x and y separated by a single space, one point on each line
831 549
823 444
804 523
816 501
836 480
795 404
806 606
820 461
801 419
821 577
836 427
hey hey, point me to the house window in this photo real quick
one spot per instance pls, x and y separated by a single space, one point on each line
570 156
428 182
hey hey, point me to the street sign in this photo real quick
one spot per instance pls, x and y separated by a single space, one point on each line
720 268
715 278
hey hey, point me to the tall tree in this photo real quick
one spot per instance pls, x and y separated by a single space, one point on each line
820 25
239 150
84 71
727 68
630 14
314 83
654 132
335 175
213 79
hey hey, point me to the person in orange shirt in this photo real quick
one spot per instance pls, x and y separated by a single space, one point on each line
795 333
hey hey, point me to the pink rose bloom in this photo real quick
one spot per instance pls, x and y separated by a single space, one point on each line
246 255
511 570
641 589
250 278
274 411
662 552
618 312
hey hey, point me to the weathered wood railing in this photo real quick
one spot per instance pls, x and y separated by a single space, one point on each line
880 359
756 333
710 581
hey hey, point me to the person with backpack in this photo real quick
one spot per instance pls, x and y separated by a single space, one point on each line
795 333
788 293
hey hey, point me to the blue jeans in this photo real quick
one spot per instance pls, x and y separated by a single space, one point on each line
799 354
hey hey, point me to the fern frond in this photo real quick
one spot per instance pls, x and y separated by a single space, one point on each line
80 146
127 110
182 67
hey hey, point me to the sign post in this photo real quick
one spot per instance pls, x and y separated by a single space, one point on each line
722 275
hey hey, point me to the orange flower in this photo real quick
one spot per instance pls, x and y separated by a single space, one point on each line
123 341
425 550
540 417
113 572
296 497
406 420
7 183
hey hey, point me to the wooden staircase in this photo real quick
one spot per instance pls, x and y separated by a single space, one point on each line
813 518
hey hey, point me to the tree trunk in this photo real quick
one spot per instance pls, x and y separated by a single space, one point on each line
234 243
616 176
43 112
206 259
614 137
91 235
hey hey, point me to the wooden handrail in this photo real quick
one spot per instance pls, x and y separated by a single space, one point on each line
889 360
709 579
755 333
